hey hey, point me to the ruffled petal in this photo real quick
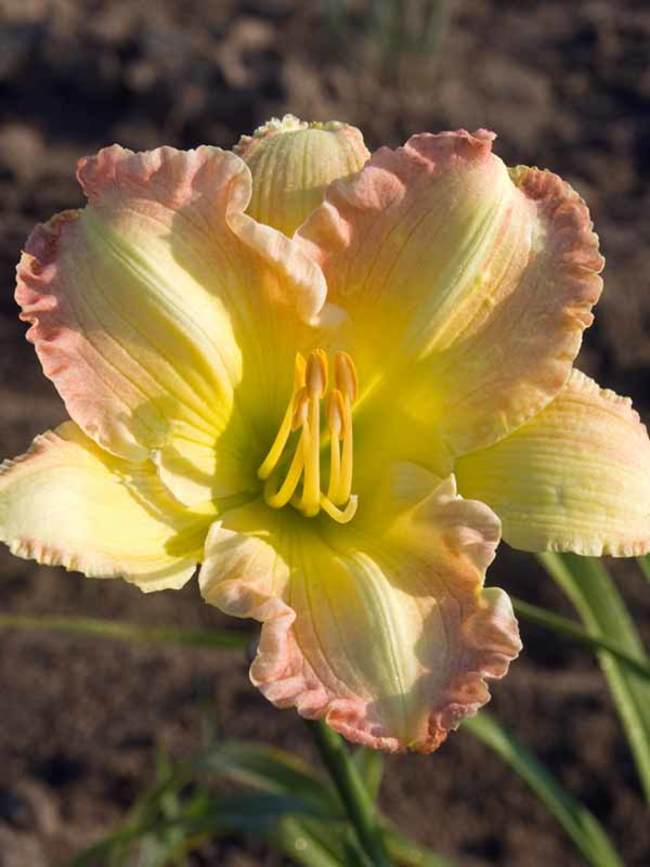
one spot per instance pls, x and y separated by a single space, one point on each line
467 285
387 635
66 502
154 303
574 478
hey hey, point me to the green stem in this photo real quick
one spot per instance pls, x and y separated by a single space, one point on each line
565 626
223 638
352 791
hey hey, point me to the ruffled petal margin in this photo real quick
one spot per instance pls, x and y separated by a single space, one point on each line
467 285
66 502
388 637
574 478
150 306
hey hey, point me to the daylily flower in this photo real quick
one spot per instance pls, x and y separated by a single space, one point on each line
330 395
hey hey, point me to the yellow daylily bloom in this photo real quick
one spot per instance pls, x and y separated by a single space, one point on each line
327 379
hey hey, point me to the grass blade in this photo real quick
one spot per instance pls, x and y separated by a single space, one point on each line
565 626
589 586
271 770
644 564
579 823
295 840
225 639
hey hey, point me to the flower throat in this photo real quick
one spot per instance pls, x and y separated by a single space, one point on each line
303 414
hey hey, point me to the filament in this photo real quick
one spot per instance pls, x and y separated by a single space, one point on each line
280 441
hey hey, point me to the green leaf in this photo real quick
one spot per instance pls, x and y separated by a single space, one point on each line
255 812
598 602
407 853
565 626
271 770
227 639
644 563
301 842
579 823
238 812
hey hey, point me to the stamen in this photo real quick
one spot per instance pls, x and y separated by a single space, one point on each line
287 489
275 452
345 376
345 484
335 412
303 413
341 516
309 502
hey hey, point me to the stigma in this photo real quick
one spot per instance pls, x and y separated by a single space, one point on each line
299 482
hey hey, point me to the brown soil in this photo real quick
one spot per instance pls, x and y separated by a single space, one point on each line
566 86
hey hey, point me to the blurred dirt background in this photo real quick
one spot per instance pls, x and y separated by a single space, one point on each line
566 86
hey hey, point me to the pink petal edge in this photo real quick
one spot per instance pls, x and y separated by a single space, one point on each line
485 622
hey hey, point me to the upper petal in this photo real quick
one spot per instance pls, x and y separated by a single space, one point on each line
574 478
292 162
385 634
467 285
67 502
150 306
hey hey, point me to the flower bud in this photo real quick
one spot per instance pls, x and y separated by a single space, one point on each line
292 163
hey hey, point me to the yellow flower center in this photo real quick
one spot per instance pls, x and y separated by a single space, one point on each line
303 414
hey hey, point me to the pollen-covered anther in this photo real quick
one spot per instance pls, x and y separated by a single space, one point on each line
316 373
303 414
345 376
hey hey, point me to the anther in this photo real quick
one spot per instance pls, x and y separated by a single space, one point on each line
316 373
345 375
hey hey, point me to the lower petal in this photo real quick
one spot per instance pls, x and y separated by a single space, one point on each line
574 478
388 634
67 502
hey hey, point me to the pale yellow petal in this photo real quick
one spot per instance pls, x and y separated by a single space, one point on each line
67 502
157 302
574 478
467 286
383 630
